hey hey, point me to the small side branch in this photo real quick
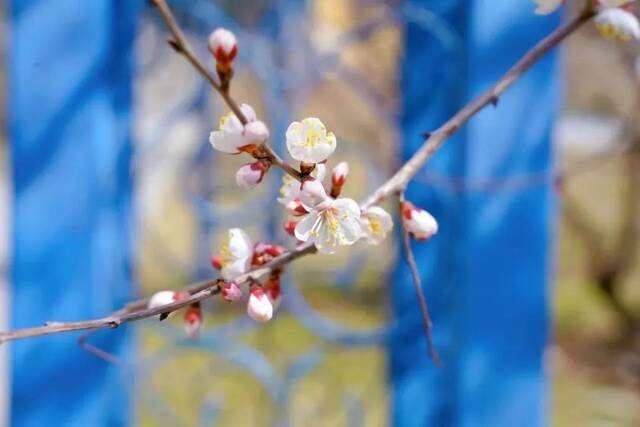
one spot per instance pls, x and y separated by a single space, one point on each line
180 44
417 283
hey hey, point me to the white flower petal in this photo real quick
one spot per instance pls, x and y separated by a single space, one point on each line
617 24
306 226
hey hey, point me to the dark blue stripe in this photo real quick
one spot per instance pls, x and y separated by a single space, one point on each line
69 75
485 274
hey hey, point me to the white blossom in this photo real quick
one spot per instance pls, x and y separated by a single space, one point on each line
420 223
259 307
330 224
545 7
232 137
308 141
223 45
375 223
617 24
236 252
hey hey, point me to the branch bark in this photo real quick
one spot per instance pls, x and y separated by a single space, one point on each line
397 183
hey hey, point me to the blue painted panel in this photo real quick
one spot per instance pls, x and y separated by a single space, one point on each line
485 274
69 97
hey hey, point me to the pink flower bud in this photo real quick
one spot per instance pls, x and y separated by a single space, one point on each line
339 174
290 227
216 262
256 132
420 223
295 207
251 174
231 291
193 320
259 308
312 193
223 45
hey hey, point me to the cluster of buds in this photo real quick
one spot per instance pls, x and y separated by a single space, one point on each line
192 315
237 256
614 19
322 216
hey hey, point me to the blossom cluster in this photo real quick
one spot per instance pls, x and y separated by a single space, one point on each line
321 216
614 20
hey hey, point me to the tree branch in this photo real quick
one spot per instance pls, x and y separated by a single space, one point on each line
435 139
137 310
181 45
417 283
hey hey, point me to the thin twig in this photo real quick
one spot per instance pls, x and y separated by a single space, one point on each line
180 43
417 283
137 310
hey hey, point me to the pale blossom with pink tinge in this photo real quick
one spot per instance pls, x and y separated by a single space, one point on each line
251 174
223 45
420 223
259 307
193 320
339 174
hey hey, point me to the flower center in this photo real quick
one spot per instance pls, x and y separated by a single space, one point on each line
223 120
312 139
375 226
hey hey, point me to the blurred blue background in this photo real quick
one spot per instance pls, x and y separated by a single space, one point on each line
112 191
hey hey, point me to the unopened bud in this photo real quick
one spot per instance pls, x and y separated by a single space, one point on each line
295 207
251 174
216 262
338 178
231 291
223 46
290 226
193 320
420 223
259 307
